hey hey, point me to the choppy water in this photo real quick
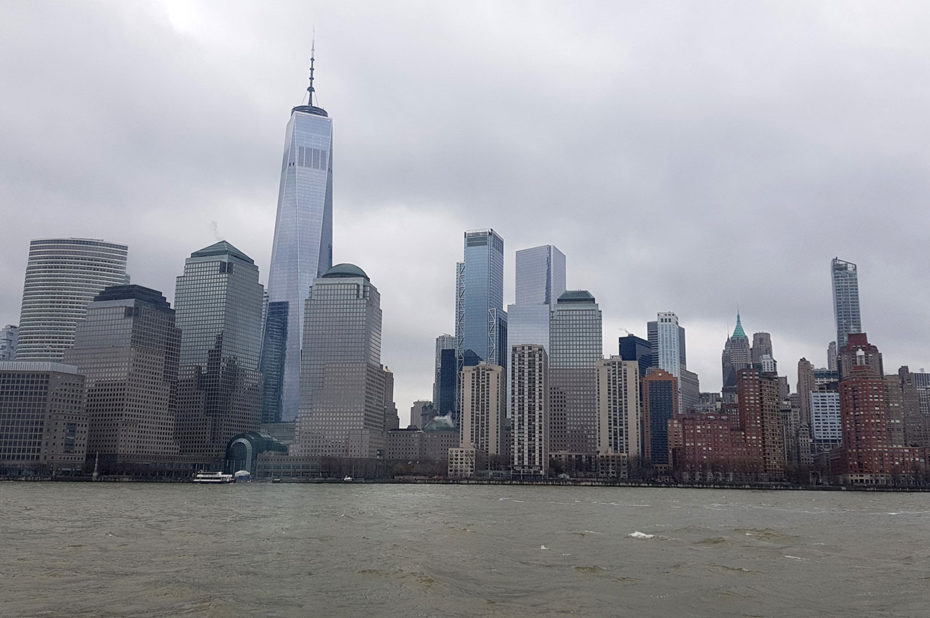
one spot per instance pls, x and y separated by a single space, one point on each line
262 549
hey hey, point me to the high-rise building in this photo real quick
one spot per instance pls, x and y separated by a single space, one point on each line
845 300
660 404
482 420
421 413
539 281
9 335
127 348
218 307
62 276
575 347
826 428
443 342
448 379
481 324
303 234
736 355
848 356
529 404
633 348
667 323
540 275
43 424
759 421
274 354
619 413
342 382
832 352
805 388
761 346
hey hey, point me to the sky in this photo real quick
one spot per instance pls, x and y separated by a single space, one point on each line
697 157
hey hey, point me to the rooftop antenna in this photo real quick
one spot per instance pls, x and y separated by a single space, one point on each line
312 54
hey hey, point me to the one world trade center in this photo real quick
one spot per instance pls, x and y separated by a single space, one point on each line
302 251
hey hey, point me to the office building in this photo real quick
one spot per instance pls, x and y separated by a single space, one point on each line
448 380
303 234
737 355
540 275
218 307
660 404
529 405
845 300
443 342
62 276
482 420
273 356
575 347
539 281
619 413
633 348
481 324
127 348
761 346
8 338
342 382
43 423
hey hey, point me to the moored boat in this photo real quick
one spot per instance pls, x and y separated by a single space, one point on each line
213 478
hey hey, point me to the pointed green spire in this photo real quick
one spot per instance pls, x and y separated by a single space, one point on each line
738 332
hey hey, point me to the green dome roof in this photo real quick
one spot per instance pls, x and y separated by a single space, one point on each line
345 271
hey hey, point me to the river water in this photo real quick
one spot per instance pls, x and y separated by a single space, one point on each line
405 550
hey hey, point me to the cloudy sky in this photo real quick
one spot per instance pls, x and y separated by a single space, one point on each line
697 157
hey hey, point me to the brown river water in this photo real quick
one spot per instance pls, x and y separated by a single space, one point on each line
134 549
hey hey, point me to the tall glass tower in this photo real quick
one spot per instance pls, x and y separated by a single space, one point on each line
845 300
481 323
303 234
480 320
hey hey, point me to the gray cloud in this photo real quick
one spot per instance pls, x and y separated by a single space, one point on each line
690 157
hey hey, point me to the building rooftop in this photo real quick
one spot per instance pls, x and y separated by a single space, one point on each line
340 271
576 296
222 248
133 292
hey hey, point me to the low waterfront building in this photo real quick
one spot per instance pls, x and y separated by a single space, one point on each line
43 422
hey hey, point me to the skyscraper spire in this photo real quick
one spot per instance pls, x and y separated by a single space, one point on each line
312 54
738 332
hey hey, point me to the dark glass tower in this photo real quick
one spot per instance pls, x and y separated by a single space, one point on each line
274 350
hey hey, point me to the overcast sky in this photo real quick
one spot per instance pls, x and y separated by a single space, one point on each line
696 157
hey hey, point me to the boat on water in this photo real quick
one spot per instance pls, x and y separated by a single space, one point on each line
213 478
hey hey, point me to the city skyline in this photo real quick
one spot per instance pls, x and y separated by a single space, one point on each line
781 159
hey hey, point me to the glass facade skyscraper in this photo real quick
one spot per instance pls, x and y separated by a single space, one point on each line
540 275
480 320
303 235
845 300
62 277
218 305
481 297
